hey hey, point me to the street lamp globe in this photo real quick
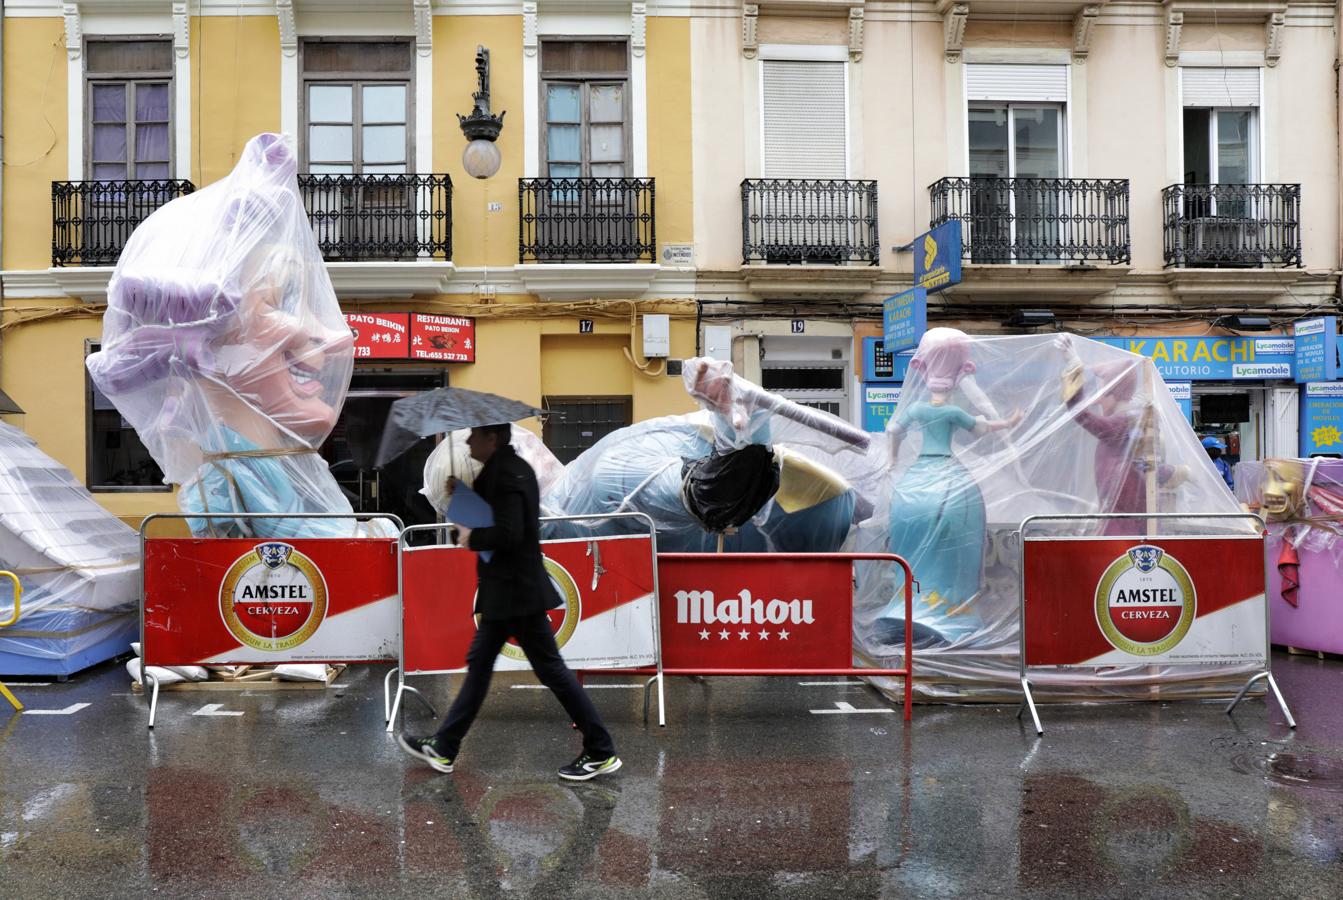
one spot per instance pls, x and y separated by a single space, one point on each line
481 158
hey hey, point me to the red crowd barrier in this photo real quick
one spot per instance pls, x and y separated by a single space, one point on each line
761 614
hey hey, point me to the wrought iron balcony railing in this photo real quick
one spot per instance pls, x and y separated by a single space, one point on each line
805 221
92 220
567 220
1037 220
1232 225
361 218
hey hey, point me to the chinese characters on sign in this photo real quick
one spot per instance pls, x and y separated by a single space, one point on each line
443 338
379 335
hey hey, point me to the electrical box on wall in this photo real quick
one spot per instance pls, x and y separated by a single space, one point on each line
718 342
657 336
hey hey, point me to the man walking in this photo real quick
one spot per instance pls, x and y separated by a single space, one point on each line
511 601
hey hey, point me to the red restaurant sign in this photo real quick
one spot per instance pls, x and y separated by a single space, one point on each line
443 338
380 335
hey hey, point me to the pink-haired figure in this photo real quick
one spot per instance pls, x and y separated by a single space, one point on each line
937 520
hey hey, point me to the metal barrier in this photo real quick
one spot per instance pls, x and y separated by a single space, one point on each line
145 646
18 594
1028 700
392 704
672 666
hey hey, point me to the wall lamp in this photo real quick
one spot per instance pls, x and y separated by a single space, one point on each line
1243 323
481 157
1030 318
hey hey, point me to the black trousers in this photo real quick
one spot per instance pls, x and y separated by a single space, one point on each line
537 641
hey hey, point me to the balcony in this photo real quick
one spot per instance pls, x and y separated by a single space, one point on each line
377 218
586 220
1059 221
806 222
1232 225
92 220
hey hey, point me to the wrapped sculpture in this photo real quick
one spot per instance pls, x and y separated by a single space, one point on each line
1302 502
989 431
452 458
751 472
225 348
79 566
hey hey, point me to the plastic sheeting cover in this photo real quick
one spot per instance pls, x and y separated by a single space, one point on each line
989 431
1302 502
79 564
224 346
453 458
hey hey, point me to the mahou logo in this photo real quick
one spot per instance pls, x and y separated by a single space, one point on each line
702 608
273 597
1145 601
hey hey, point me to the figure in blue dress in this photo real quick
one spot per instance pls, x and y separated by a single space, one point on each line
937 520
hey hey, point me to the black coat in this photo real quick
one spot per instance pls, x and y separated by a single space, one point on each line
514 582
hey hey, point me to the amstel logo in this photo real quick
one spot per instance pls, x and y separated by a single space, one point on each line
563 619
273 598
1145 602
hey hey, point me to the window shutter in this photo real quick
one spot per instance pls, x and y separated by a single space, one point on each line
1016 83
805 122
1220 87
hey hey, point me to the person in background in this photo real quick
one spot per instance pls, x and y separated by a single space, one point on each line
511 601
1216 448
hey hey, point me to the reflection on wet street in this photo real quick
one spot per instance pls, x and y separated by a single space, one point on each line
745 794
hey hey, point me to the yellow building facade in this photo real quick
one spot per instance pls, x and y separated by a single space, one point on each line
597 127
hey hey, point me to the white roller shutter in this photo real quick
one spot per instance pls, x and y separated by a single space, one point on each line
804 119
1016 83
1220 87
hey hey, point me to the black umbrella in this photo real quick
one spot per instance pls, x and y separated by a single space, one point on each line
444 410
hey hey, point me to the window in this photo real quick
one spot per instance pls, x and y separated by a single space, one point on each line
819 386
585 421
117 460
804 115
356 104
585 100
1220 126
129 109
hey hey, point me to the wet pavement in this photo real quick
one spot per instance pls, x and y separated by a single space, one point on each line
746 793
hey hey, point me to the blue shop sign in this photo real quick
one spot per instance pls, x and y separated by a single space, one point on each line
879 403
1322 418
1183 393
881 365
904 318
1316 349
1214 358
937 257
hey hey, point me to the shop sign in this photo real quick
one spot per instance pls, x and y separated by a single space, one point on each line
1175 601
1316 349
879 402
904 318
1213 358
380 335
1322 418
1183 394
880 364
937 257
443 338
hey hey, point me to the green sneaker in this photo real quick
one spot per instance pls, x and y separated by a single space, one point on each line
425 748
587 767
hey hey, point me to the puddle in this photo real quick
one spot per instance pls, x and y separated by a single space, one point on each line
1322 772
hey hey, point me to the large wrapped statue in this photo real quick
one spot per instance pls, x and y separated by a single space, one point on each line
79 566
750 472
1302 501
989 431
225 348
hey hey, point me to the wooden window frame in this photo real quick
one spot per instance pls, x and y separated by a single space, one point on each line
356 79
131 80
586 79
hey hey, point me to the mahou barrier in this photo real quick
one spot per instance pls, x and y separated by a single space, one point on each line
758 614
608 584
238 601
1093 602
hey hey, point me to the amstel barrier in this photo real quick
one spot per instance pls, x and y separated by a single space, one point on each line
237 601
608 584
1093 602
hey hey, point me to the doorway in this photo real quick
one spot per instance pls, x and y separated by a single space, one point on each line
352 448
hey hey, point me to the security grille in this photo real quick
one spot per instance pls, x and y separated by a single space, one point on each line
577 423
